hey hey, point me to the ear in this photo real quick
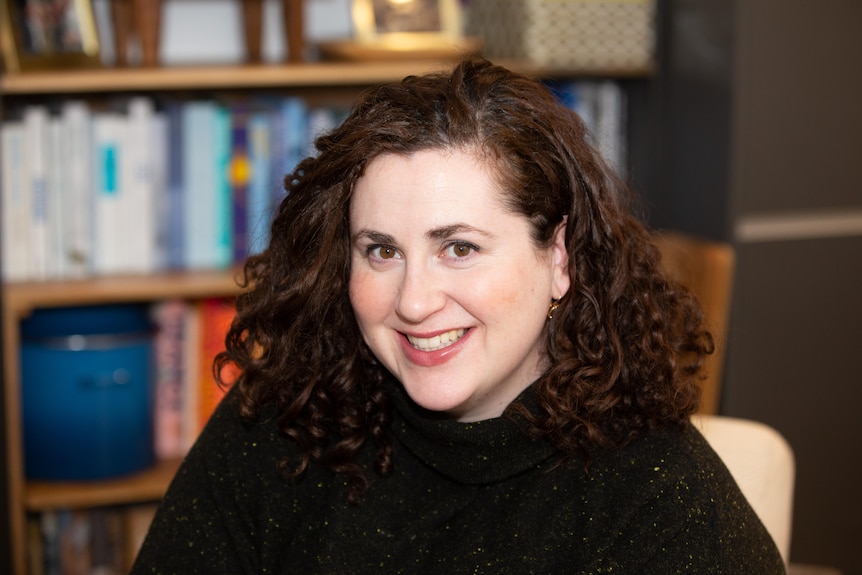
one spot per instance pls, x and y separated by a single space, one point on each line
560 258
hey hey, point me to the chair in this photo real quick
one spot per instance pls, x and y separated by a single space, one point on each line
706 268
762 463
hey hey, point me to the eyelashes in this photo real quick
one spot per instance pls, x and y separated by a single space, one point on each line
453 250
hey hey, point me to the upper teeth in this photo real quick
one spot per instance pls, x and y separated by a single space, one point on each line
437 342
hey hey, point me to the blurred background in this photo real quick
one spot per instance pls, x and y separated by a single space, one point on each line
748 131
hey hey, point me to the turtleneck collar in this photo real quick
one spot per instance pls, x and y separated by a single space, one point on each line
475 453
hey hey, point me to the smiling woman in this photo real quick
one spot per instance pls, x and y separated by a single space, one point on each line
458 338
463 265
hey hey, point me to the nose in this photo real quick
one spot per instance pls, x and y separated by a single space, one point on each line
421 293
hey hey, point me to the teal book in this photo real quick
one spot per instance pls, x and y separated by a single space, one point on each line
223 230
201 188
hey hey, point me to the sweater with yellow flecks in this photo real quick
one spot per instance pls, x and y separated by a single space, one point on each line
463 498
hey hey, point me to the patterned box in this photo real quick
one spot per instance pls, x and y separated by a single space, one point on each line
603 35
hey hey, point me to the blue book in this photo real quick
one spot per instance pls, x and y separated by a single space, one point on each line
260 185
295 137
174 221
199 182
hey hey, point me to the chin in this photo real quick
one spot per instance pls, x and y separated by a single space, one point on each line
443 404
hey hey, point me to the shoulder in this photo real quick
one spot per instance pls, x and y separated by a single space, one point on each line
673 499
234 454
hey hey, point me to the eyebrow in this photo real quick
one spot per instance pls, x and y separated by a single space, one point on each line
444 232
440 233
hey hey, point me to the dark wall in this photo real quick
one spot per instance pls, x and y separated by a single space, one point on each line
762 120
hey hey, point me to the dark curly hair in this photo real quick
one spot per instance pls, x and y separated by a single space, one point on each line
625 346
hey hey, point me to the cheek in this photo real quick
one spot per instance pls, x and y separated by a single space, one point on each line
366 298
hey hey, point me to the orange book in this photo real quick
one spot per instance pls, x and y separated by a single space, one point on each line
215 319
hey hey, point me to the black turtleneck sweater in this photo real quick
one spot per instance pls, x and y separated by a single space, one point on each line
464 498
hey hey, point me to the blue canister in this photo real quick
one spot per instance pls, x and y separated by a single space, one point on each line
86 391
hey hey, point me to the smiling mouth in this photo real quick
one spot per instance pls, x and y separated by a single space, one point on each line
438 341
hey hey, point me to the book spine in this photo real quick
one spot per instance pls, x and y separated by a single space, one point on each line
239 174
77 149
260 184
216 317
138 192
191 369
16 204
199 177
175 219
108 128
222 238
57 195
36 143
170 320
160 192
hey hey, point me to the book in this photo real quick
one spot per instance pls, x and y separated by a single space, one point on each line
239 177
191 369
78 167
36 165
261 185
293 140
169 317
56 198
75 533
216 315
173 224
108 211
159 177
223 224
49 523
200 181
16 203
138 191
610 125
107 541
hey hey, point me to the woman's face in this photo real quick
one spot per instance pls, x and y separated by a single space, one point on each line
449 290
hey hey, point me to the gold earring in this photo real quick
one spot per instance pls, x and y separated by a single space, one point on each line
555 303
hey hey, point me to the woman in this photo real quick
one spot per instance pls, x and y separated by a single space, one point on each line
458 355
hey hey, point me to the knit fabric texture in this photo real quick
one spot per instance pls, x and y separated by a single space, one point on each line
464 498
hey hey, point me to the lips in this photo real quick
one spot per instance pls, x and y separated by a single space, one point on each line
437 342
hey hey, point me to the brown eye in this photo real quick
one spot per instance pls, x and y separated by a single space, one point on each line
385 253
461 250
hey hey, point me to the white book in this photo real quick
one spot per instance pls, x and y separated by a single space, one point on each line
108 221
36 137
16 203
159 144
77 149
55 201
138 193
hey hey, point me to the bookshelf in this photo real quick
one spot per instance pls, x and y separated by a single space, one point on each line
21 299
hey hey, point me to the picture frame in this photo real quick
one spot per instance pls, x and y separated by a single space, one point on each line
407 24
48 34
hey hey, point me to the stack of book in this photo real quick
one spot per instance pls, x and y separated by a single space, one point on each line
140 186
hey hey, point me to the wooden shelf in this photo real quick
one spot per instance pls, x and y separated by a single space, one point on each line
327 74
22 298
149 485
